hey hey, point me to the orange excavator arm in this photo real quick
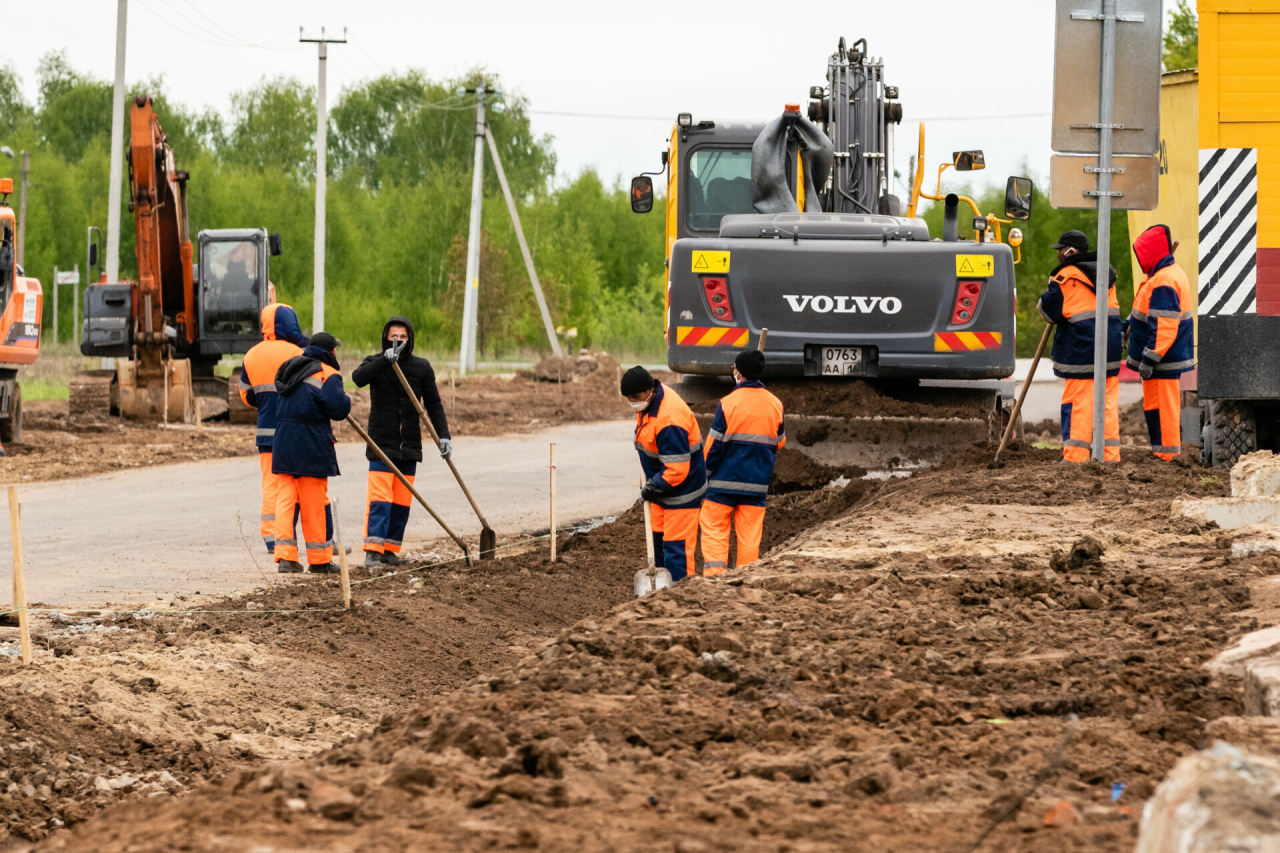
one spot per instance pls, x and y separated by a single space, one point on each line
163 249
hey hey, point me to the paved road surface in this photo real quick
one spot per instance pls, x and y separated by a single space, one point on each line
133 536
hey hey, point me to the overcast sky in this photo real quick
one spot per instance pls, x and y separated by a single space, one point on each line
982 72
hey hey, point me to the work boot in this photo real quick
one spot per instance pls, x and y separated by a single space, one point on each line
390 559
291 567
324 569
372 560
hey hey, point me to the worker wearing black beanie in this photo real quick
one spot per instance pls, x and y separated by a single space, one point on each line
669 442
742 448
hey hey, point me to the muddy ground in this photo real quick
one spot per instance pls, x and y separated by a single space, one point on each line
56 446
898 675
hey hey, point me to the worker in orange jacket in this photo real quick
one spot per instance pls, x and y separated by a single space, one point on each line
742 448
311 397
1160 338
1070 304
670 446
282 339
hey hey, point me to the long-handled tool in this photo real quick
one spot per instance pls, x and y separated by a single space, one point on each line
1022 395
399 476
764 336
650 578
488 539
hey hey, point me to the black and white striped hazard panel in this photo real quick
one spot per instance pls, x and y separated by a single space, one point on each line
1228 231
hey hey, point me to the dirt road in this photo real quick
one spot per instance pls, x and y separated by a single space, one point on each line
142 535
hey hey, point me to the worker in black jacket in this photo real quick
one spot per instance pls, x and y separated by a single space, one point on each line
394 427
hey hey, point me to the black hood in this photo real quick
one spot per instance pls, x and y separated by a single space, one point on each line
398 321
1087 263
298 368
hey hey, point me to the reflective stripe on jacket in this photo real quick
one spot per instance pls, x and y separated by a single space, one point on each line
743 444
311 396
1160 326
670 446
1070 304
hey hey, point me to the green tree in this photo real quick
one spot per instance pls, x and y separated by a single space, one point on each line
74 108
273 128
1181 38
14 109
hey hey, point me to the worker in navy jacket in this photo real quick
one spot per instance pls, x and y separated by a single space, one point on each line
311 397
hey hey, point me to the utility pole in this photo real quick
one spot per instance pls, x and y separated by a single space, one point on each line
1106 118
471 286
322 159
22 207
117 148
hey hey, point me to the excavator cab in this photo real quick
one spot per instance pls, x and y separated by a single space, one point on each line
232 289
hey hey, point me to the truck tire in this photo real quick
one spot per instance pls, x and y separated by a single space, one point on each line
11 427
1233 431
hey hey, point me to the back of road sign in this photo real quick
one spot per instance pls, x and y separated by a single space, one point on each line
1077 76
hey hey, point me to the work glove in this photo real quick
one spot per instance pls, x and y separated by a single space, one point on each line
446 448
650 492
393 352
1146 369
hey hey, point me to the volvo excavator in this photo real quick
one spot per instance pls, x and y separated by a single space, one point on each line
191 305
21 308
792 226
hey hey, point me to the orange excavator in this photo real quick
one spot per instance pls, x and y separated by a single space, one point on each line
22 302
191 305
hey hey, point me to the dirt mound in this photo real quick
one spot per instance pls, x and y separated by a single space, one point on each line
796 471
574 368
856 398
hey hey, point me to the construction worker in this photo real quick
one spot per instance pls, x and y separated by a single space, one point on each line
742 447
670 447
282 339
1160 338
394 427
311 396
1069 304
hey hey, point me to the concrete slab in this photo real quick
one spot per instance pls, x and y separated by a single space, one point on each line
1221 799
1252 646
1256 475
1230 513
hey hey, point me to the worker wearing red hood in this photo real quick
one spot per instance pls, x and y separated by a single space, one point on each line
1160 337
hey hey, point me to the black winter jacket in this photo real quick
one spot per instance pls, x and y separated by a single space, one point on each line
393 421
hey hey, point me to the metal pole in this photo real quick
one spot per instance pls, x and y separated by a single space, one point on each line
55 306
117 150
524 246
22 208
322 154
1106 114
471 285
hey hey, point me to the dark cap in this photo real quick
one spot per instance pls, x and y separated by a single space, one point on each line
325 341
750 364
1072 240
636 381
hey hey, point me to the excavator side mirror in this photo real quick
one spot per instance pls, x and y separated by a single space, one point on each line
1017 198
273 241
93 254
968 161
641 194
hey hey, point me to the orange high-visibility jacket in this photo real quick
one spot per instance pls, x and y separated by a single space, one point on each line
670 446
280 342
743 444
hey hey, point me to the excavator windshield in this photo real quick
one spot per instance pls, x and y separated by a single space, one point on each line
719 184
6 264
231 284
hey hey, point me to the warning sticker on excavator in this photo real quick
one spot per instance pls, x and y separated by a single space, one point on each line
979 265
711 262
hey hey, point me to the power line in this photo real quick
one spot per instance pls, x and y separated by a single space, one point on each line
371 59
220 42
243 42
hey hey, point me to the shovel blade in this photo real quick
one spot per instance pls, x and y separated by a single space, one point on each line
643 583
488 544
662 580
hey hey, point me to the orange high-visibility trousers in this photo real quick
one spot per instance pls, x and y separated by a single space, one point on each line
714 520
311 497
675 539
270 497
1162 406
1077 420
386 511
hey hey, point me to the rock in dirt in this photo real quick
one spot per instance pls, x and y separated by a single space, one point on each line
332 801
568 368
1086 553
1223 799
1256 475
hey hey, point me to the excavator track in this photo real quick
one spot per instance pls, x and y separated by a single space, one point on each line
92 396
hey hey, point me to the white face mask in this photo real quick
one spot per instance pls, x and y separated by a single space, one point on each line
641 406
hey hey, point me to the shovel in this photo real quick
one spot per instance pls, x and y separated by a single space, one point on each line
1022 395
399 476
488 539
650 578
